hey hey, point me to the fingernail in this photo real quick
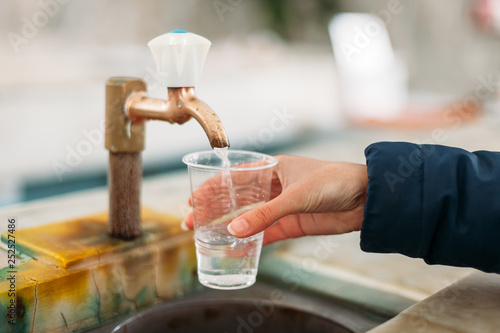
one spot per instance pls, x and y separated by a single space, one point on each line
238 227
184 225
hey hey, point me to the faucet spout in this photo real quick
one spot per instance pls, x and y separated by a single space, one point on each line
181 105
207 118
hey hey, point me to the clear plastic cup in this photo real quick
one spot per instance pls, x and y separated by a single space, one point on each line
221 190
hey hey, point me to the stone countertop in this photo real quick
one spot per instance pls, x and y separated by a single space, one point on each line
405 280
469 305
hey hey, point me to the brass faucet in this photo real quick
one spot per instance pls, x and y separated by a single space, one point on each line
127 109
180 106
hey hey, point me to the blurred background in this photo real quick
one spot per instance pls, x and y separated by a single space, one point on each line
271 75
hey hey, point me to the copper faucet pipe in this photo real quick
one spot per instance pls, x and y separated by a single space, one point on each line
181 105
125 177
125 143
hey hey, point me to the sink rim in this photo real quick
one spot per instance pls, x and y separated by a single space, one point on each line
183 303
351 316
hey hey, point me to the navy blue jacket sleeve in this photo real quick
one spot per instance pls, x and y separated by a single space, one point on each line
438 203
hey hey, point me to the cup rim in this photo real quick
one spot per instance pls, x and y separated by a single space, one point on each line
273 161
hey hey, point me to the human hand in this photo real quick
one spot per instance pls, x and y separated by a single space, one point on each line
308 197
223 195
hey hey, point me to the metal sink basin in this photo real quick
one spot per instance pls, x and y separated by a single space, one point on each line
227 316
261 308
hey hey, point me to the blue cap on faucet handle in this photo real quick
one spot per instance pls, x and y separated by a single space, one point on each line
179 31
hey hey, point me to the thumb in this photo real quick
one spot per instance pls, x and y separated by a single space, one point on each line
259 218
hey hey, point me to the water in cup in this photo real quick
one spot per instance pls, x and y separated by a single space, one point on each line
227 262
224 185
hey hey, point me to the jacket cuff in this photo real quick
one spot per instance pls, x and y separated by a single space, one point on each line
395 176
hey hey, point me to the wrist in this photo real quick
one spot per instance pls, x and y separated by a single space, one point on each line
361 196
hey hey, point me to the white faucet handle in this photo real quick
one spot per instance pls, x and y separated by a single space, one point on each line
179 57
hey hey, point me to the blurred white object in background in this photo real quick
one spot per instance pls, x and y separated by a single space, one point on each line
372 81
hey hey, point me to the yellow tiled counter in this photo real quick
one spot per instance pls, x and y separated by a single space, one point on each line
80 278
